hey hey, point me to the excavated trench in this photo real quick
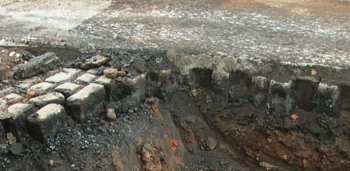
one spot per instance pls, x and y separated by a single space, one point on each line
182 111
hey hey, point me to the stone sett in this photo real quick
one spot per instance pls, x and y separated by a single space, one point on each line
106 82
86 78
7 91
13 98
103 80
41 88
59 78
71 71
92 71
3 107
67 89
46 122
16 119
45 99
25 84
87 102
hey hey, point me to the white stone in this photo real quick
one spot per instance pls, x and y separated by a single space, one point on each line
12 54
103 80
86 102
17 114
25 84
86 91
3 109
67 88
259 81
86 78
7 91
71 71
49 110
59 78
92 71
110 114
13 98
46 122
18 55
54 97
41 88
18 109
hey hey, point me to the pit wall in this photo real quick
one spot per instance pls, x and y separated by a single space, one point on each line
283 123
300 123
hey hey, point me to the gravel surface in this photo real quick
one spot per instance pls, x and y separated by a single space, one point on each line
314 32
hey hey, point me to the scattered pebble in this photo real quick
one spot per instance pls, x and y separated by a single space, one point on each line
16 149
121 73
111 115
51 162
211 143
12 54
313 72
110 73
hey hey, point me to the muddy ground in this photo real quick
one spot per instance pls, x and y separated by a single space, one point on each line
197 121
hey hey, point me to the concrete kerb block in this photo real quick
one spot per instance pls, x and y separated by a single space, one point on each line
240 87
260 90
327 99
303 91
46 122
279 102
87 102
344 97
200 77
